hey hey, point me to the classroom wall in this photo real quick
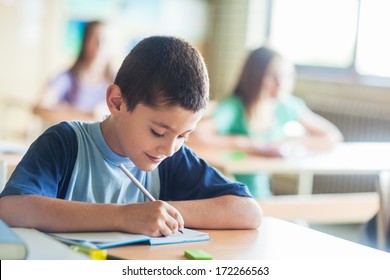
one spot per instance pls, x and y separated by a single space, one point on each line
32 47
34 33
34 44
234 24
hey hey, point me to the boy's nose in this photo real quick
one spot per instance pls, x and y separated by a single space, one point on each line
168 148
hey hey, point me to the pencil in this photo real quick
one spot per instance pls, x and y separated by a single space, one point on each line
139 185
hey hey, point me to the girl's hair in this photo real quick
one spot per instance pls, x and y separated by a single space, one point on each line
164 71
76 69
250 82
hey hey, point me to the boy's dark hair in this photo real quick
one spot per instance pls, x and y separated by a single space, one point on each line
164 71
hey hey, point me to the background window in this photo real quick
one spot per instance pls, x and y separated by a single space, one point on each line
373 44
318 33
333 35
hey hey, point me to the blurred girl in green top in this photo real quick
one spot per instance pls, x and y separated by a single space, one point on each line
256 117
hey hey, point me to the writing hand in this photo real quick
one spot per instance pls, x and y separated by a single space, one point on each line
154 218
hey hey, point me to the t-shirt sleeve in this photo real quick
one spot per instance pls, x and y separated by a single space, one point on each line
61 85
185 176
47 166
229 117
290 109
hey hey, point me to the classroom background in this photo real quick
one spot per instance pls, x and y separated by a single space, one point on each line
343 66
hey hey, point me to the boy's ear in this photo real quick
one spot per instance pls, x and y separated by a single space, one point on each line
114 99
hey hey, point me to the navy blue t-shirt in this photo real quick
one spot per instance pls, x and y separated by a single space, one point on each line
72 161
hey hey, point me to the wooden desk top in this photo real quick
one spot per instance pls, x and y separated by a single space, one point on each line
275 239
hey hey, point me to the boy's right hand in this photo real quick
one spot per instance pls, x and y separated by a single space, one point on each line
154 218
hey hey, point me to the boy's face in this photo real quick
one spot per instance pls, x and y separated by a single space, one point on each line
149 135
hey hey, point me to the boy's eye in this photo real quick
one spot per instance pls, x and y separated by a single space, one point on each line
157 134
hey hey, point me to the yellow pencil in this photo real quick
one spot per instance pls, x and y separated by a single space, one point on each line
95 254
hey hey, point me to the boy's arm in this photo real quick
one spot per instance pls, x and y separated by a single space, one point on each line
57 215
205 197
223 212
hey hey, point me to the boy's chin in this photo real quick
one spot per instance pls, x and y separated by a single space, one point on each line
148 167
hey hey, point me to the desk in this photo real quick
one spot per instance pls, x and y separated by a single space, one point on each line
11 161
274 240
42 247
10 154
8 164
345 158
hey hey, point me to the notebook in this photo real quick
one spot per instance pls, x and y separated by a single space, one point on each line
104 240
11 246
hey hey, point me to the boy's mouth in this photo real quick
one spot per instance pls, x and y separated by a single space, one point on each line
154 159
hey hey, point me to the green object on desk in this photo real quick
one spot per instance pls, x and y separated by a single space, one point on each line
234 155
197 254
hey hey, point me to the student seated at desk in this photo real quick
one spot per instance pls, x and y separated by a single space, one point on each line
254 119
70 180
79 92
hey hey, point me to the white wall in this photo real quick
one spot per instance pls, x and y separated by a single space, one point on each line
32 34
33 47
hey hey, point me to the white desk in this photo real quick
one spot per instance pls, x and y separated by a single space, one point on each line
8 163
345 158
3 173
8 147
274 240
10 155
42 247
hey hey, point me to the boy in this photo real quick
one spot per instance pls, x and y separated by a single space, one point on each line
70 179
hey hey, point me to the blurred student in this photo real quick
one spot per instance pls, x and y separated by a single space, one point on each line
79 92
257 118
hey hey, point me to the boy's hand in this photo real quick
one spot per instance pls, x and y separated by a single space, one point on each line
154 218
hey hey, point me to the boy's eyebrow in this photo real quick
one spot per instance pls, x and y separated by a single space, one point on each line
163 125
